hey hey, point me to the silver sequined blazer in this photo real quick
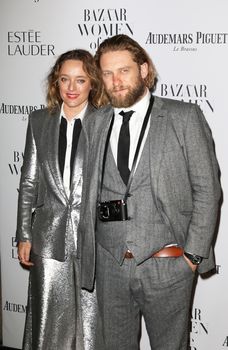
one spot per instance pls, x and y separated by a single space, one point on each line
44 211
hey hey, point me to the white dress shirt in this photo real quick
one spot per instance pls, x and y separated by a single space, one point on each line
135 126
69 136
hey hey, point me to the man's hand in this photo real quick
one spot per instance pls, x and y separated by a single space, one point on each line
192 266
24 249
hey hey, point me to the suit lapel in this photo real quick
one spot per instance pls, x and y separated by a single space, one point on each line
157 134
97 154
52 152
103 138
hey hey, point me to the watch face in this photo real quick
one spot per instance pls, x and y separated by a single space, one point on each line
195 259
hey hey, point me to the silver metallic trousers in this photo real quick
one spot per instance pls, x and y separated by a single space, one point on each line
60 316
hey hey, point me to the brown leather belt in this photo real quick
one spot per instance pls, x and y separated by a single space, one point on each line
167 252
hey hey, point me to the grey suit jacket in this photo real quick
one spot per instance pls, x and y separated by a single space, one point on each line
44 210
184 179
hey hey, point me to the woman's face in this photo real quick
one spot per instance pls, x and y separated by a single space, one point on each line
74 87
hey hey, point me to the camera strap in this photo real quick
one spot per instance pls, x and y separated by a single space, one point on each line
142 132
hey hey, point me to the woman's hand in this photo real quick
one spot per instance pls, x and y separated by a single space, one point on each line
24 249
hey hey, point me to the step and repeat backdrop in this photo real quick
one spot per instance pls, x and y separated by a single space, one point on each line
188 42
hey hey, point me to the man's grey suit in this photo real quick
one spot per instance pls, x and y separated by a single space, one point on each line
183 173
174 199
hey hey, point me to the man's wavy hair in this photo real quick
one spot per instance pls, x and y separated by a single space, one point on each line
123 42
53 98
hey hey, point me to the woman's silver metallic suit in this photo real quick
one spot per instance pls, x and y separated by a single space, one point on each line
60 315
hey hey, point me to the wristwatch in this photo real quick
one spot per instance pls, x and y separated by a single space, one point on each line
195 259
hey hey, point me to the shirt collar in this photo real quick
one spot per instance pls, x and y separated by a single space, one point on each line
139 107
80 115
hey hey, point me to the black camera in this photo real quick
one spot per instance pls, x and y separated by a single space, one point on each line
113 210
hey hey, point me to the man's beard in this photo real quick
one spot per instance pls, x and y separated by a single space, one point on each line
133 95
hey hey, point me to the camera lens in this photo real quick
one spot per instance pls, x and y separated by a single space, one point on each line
104 211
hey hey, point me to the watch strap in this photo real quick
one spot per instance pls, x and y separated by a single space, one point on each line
195 259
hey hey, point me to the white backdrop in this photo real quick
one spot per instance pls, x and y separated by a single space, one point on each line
188 42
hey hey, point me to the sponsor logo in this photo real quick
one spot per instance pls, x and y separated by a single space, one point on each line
15 165
187 41
98 24
225 343
14 248
28 43
13 307
194 93
218 269
198 328
18 110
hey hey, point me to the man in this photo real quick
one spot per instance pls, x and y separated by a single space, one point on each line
153 236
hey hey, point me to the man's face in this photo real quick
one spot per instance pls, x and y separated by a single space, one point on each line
123 78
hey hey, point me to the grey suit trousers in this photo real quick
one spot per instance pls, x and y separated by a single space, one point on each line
160 289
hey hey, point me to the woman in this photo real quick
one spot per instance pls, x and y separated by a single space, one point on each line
60 316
